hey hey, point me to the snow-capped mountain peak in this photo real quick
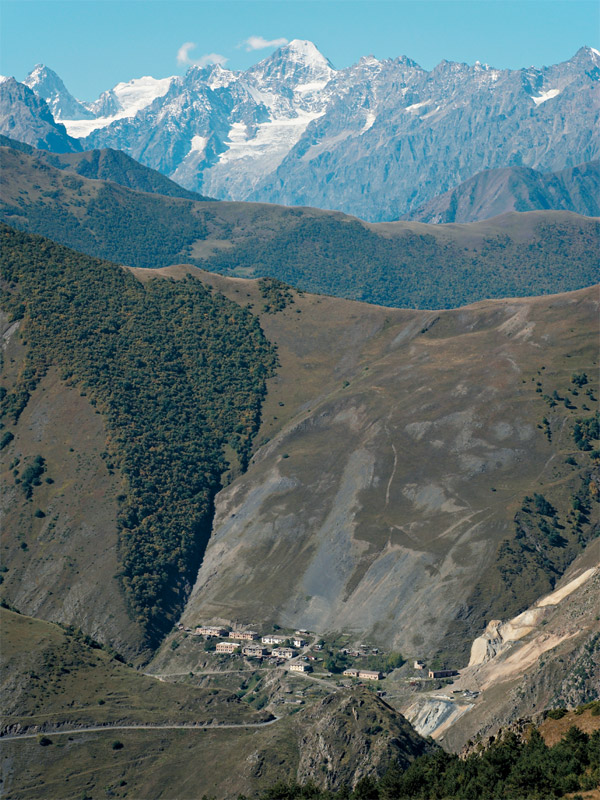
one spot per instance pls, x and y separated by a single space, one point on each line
219 77
296 63
368 60
306 52
47 85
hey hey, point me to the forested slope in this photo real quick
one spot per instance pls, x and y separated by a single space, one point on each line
403 264
177 372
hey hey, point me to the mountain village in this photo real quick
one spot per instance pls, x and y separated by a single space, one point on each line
301 651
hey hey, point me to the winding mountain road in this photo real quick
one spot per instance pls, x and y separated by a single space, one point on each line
100 728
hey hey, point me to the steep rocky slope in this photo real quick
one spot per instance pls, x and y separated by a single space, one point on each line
48 85
546 657
26 117
497 191
399 449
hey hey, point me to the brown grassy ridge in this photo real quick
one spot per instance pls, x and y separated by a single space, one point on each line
53 678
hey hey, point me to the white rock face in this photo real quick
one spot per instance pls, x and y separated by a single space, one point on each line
498 636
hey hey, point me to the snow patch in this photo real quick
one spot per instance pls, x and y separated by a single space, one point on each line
371 117
415 106
80 128
431 113
541 98
311 88
272 142
140 92
198 144
132 96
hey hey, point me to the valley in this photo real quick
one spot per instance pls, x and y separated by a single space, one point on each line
401 264
322 527
300 442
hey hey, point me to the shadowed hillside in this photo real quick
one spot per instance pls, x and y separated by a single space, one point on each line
107 165
396 264
498 191
177 375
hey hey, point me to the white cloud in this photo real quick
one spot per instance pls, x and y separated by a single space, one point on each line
183 56
260 43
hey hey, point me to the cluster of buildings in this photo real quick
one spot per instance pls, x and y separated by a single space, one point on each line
247 643
282 647
248 636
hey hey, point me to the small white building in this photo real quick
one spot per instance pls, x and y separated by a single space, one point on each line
300 667
274 638
419 664
283 652
298 641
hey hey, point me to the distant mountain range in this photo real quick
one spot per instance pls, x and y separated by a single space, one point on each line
497 191
379 139
26 117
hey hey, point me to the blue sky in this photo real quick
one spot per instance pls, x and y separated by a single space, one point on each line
93 44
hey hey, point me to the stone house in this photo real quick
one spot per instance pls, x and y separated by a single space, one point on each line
227 647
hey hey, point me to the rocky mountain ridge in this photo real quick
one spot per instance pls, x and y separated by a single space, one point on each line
377 139
497 191
25 116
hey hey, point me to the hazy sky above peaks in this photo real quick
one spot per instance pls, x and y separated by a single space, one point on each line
94 44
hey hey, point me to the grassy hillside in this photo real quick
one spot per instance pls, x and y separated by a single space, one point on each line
55 679
62 566
397 264
177 373
107 165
